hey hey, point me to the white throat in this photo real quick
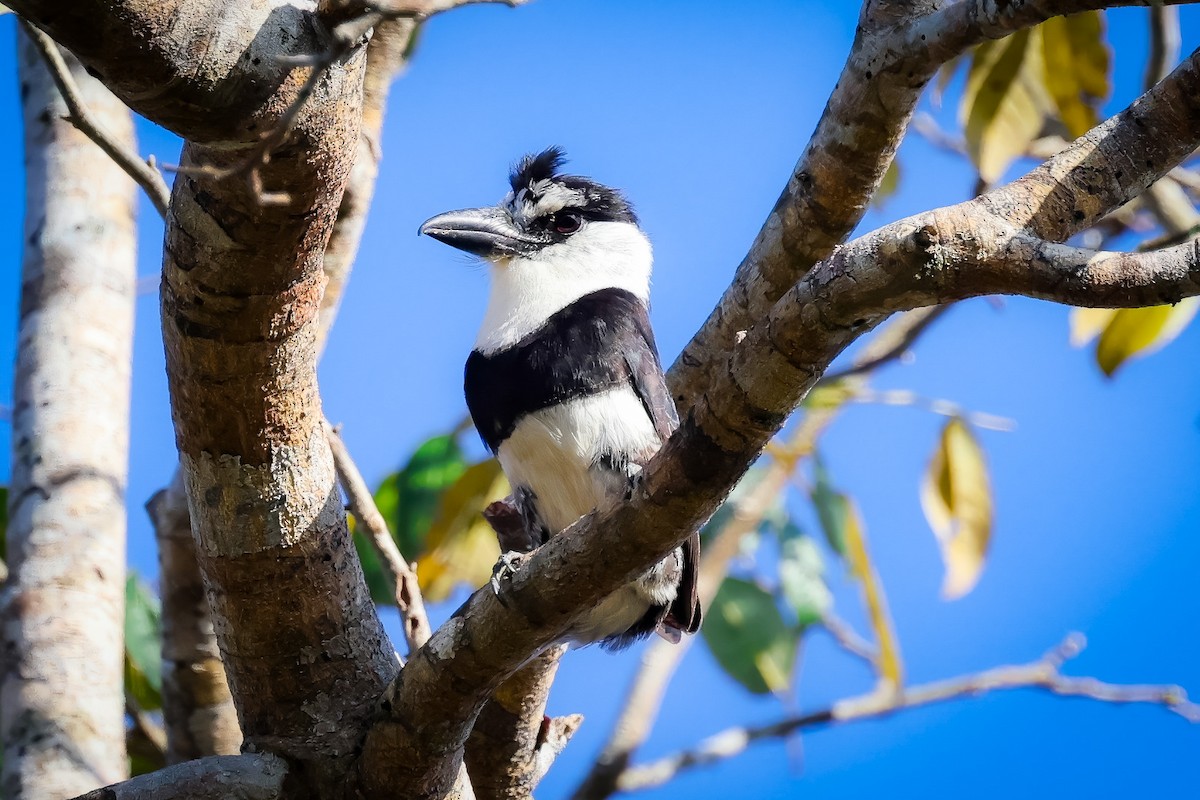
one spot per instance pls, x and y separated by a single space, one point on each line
526 291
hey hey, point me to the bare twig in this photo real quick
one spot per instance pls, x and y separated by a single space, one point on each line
1165 43
404 579
849 639
1041 674
150 729
141 171
947 408
900 342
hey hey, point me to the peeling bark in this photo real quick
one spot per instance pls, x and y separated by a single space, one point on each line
62 705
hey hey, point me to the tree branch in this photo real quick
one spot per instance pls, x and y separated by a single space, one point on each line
404 580
899 46
513 743
1165 42
387 56
1042 674
660 660
747 398
62 719
252 776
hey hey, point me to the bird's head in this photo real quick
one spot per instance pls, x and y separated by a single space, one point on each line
553 228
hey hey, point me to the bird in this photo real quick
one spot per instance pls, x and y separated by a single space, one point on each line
564 383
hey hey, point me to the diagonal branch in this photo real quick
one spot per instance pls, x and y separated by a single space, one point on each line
747 399
1042 674
660 660
899 46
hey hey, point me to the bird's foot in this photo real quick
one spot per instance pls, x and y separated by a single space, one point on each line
633 485
506 566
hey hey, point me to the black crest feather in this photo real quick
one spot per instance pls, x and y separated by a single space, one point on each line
534 168
600 202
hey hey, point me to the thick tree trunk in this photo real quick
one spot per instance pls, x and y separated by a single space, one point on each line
62 713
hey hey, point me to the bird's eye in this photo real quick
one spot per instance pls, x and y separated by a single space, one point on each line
566 222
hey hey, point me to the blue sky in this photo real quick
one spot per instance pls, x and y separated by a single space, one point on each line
699 112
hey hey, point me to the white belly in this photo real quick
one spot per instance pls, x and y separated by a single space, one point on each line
554 452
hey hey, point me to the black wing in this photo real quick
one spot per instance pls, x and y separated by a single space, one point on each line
646 375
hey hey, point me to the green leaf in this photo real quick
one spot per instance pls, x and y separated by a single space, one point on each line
749 637
433 468
378 581
1141 331
143 645
832 507
1005 102
1076 68
887 186
957 500
802 579
462 547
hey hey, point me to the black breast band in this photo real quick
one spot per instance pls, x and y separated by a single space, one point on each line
579 351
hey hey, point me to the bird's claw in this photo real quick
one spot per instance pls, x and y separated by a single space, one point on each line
506 566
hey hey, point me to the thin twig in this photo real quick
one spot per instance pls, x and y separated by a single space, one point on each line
362 505
146 726
1041 674
895 350
849 639
141 171
947 408
1165 42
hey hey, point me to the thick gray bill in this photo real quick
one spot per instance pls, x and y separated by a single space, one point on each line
481 231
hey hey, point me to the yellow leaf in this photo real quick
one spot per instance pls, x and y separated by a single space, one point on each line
1005 103
1076 68
957 501
1141 331
888 663
1086 323
461 546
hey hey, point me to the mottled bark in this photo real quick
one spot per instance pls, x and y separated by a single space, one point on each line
305 653
62 712
198 711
